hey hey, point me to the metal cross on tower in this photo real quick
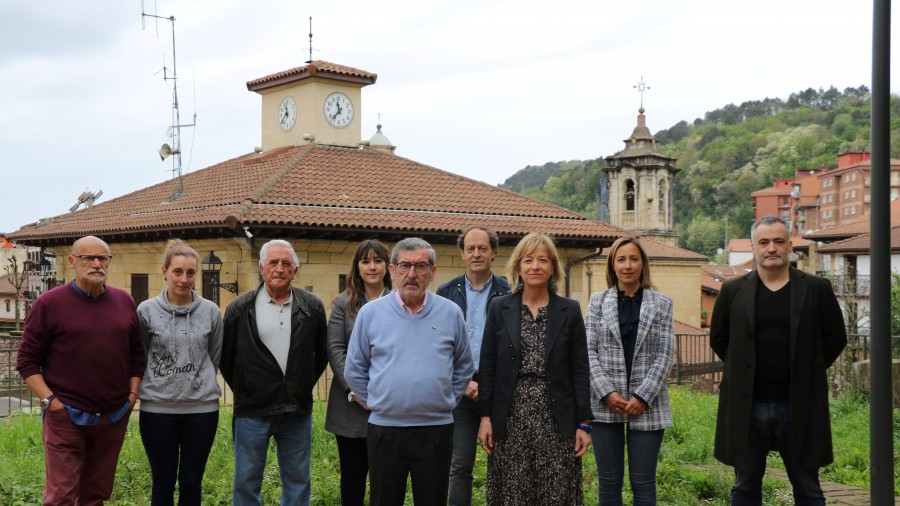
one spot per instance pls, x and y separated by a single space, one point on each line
641 87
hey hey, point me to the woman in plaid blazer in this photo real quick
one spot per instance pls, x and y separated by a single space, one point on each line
630 348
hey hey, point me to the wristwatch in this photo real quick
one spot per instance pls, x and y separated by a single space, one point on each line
45 403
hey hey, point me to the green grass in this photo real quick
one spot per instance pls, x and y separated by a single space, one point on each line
688 474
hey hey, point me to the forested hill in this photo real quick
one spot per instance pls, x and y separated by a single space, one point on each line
728 154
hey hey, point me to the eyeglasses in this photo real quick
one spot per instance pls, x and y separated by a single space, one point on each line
421 267
89 259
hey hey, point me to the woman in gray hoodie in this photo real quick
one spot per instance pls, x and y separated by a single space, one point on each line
179 393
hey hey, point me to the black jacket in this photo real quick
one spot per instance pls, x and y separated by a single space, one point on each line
455 290
817 339
250 369
565 346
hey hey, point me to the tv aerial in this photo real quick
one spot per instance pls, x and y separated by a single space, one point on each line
173 132
86 199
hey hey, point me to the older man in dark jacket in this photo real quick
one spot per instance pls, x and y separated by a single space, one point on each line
272 355
777 329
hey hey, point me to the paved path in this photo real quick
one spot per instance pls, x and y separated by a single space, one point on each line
834 493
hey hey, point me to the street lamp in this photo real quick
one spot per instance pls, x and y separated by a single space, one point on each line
212 263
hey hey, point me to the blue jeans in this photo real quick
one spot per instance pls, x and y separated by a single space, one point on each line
770 427
177 446
293 437
608 441
465 436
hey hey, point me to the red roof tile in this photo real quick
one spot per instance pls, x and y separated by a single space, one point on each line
318 68
684 328
860 244
853 227
323 189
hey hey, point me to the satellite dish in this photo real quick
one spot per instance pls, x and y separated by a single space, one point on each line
87 198
165 150
169 133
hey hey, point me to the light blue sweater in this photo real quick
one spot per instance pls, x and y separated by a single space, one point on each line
411 370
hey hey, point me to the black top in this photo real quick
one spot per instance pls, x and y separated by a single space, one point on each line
772 377
629 319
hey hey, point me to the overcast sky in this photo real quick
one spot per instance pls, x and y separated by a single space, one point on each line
478 88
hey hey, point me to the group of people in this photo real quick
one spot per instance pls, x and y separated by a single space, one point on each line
422 378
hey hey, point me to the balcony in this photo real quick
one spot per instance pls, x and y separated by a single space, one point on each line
846 284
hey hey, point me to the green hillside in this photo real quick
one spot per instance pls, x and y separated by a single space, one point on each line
725 156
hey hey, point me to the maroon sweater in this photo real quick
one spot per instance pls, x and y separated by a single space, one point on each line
87 349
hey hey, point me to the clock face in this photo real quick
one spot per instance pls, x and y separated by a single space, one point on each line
287 113
338 110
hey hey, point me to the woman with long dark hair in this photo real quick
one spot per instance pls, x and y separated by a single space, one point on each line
347 417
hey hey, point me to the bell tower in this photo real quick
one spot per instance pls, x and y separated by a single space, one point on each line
641 183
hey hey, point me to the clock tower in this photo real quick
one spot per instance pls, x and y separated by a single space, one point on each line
317 103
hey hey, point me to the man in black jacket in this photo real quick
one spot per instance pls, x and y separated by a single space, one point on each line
777 329
478 248
272 355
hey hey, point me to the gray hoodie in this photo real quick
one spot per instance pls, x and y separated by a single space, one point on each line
183 347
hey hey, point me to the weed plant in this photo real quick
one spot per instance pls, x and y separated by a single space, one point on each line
687 474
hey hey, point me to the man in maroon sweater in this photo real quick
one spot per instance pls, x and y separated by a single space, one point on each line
82 355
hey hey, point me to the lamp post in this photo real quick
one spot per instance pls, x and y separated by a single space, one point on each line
212 263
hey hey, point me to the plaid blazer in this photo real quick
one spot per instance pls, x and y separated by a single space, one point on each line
654 353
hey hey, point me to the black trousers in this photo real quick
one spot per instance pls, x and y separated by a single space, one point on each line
354 468
422 453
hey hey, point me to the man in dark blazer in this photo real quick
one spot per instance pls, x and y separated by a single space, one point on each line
472 291
777 329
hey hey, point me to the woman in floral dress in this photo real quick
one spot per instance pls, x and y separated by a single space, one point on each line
534 393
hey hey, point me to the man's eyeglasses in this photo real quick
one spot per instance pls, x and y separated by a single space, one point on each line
89 259
421 267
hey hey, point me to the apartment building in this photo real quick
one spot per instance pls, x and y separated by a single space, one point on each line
845 192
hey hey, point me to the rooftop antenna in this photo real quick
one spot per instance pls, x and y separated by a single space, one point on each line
641 87
310 41
173 132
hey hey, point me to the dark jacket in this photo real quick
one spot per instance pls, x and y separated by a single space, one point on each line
250 369
565 346
817 337
455 290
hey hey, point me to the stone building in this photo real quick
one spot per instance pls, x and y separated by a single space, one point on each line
641 183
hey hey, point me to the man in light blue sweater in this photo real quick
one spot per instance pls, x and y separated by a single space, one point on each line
409 361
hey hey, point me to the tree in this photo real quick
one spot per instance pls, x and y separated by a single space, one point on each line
17 279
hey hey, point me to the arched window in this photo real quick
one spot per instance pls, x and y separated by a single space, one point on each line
629 195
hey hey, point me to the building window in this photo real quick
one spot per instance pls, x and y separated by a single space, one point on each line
852 209
629 195
7 305
342 283
139 288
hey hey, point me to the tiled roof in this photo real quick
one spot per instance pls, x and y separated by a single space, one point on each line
684 328
660 251
318 68
860 244
318 190
713 275
853 227
739 246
